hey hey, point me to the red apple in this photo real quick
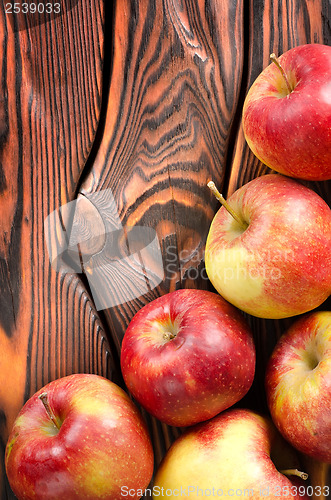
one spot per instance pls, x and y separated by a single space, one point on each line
287 113
85 442
188 355
274 261
298 385
235 454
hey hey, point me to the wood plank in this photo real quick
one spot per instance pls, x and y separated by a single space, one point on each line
174 88
51 81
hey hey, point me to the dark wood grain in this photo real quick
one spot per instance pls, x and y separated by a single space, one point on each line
174 89
175 83
51 83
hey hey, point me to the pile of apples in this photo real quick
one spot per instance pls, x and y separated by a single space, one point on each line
189 356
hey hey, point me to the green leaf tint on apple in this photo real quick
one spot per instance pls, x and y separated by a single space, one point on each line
84 444
289 129
236 453
298 385
277 263
188 355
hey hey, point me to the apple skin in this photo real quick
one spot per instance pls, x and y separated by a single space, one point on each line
298 385
229 453
102 443
280 266
208 366
290 132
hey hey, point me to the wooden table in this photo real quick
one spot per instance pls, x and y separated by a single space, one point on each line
140 100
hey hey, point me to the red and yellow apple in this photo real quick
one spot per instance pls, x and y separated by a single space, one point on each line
274 261
298 385
78 438
188 355
287 113
236 453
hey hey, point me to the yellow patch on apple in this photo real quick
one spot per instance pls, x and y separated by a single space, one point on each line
211 451
232 266
95 479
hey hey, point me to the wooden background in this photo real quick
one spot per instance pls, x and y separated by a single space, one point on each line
142 98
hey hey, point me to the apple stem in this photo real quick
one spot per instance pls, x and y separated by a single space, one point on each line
281 69
295 472
225 204
44 399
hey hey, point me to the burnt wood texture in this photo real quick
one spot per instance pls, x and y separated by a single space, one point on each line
113 118
50 98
